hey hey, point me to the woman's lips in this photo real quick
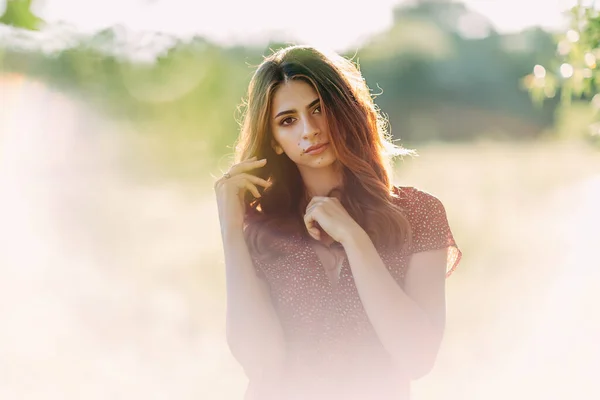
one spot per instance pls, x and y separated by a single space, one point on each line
318 150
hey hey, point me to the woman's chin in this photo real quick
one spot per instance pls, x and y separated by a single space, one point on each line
324 161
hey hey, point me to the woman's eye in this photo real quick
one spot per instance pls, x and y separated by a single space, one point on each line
317 110
287 121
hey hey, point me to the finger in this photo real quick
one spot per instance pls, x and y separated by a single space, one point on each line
248 165
315 234
255 179
313 202
238 168
310 224
312 207
308 221
252 188
316 199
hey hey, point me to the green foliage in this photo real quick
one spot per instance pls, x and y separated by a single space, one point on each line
18 14
434 83
573 72
454 88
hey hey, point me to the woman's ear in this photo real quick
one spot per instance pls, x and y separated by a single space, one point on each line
278 149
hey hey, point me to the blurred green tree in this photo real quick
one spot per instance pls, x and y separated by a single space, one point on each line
446 74
18 14
574 70
441 70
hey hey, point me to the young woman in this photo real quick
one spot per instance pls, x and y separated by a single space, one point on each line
335 277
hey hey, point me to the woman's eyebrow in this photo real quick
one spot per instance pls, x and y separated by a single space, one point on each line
312 103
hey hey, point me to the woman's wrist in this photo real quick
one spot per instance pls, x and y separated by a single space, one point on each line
232 230
354 236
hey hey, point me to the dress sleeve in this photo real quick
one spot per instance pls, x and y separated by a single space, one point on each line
430 228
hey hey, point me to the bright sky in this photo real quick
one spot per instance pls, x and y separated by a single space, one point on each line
317 22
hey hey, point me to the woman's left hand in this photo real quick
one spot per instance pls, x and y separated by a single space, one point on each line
332 217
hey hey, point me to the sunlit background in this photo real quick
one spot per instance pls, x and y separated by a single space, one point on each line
115 117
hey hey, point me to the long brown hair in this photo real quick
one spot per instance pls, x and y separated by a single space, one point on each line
359 138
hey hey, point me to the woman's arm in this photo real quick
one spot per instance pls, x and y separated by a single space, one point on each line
254 334
409 322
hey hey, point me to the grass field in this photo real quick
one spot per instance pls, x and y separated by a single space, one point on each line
113 283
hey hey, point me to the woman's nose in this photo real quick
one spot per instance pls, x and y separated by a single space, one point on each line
310 129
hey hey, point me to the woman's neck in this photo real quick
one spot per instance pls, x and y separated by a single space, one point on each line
321 181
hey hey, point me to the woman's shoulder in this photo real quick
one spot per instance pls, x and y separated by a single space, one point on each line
429 224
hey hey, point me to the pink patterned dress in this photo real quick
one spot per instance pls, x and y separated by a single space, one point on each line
332 349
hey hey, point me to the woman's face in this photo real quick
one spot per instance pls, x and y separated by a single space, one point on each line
298 125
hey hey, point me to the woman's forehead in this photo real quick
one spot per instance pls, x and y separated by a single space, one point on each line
293 95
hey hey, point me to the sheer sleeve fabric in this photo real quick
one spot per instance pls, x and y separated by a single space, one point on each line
429 224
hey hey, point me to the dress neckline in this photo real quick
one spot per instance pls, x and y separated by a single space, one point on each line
322 254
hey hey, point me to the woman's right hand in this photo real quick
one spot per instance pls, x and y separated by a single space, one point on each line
230 191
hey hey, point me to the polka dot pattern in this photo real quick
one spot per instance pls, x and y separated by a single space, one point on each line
325 324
